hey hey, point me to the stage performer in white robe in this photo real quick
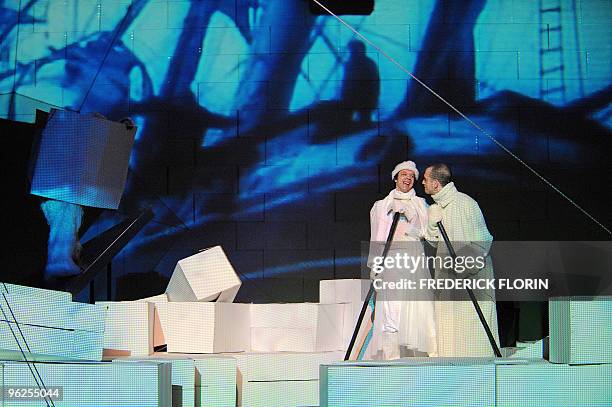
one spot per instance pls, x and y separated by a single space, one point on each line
400 320
459 330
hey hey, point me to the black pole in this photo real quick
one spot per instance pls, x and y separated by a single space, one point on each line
371 291
483 321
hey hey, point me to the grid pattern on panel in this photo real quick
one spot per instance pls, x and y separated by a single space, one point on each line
23 290
88 345
217 396
540 383
47 311
283 339
82 159
591 331
217 380
400 385
284 365
280 394
191 327
559 327
39 340
129 327
209 272
98 384
179 288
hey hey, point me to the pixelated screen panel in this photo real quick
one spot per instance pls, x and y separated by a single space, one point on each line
82 159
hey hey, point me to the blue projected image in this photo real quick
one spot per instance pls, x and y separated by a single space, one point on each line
250 107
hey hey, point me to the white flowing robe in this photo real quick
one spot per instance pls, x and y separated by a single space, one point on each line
459 330
413 320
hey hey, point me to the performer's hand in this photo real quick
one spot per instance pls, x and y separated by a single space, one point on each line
434 214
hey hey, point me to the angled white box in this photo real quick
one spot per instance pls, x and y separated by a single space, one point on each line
129 328
206 276
208 327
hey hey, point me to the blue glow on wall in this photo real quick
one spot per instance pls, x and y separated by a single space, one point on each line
198 76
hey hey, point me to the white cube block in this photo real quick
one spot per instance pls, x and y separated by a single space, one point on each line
129 328
206 276
580 330
208 327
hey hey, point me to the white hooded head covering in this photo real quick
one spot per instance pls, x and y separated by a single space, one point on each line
406 165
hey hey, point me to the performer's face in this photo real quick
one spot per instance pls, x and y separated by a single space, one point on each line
430 185
405 180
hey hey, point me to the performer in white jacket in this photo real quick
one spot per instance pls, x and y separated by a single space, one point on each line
399 319
459 330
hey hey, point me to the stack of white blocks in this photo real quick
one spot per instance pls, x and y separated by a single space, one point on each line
281 379
47 325
184 318
579 372
351 293
198 379
196 325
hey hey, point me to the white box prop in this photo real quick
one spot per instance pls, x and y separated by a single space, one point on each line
129 328
206 276
208 327
281 379
351 292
